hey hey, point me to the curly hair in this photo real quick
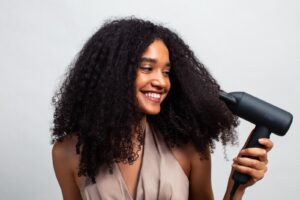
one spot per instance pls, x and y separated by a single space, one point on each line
97 101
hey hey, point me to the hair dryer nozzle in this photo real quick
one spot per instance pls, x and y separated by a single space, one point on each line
258 111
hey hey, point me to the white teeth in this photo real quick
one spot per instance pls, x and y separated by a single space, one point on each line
153 95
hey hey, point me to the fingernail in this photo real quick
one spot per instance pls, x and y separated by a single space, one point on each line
261 140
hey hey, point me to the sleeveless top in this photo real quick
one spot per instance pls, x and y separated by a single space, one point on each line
161 176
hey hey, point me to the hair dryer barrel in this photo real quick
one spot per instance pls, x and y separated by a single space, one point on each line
258 111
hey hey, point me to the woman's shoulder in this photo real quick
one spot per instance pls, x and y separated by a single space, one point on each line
199 171
187 155
66 165
188 151
184 155
65 149
64 155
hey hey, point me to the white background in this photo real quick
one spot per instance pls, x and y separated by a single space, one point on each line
251 46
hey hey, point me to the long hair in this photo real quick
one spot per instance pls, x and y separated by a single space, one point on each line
97 101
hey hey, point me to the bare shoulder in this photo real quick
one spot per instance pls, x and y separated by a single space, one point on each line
198 170
184 156
64 153
65 149
65 163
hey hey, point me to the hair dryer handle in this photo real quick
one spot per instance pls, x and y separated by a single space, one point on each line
257 133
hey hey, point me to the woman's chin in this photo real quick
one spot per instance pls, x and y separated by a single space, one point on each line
151 111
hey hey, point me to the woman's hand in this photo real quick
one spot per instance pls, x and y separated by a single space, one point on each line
256 169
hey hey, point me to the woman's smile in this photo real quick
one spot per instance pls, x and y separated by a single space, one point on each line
153 97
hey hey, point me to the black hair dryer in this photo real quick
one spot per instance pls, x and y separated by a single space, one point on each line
266 117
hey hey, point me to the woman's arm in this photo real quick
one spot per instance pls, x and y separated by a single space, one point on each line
63 155
256 169
200 177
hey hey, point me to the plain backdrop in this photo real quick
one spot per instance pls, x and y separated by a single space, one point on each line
251 46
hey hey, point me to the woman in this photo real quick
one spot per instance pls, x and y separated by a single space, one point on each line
137 117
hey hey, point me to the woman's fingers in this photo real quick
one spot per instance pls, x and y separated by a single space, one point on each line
254 173
259 153
267 143
253 167
250 162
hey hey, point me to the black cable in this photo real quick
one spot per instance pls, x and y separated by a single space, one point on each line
234 188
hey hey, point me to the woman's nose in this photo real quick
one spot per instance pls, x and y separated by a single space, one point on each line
159 81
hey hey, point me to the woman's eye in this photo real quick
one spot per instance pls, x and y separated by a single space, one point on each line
146 68
166 73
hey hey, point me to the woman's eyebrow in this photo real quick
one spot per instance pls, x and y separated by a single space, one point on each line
152 60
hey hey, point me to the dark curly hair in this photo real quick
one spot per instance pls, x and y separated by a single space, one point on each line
97 100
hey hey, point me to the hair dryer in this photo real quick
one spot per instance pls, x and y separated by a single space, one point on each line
266 117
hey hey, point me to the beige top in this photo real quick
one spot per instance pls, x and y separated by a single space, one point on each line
161 176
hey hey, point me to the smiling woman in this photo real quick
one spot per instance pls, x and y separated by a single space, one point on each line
152 81
137 117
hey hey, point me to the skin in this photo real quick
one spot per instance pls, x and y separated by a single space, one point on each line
152 86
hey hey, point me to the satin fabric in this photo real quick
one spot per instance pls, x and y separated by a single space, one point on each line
161 176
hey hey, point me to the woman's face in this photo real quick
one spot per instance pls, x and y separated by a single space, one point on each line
152 81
